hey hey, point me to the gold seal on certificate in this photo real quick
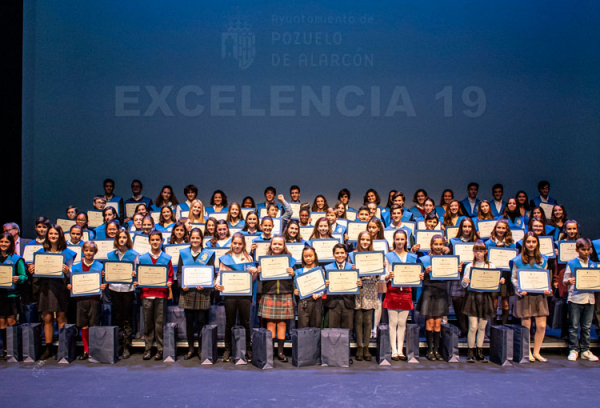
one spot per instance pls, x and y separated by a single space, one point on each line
152 276
485 280
48 265
85 284
343 281
444 267
501 257
533 280
587 279
274 267
193 276
236 283
6 274
118 272
369 263
407 274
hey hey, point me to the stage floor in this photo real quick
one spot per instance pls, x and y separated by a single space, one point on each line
138 383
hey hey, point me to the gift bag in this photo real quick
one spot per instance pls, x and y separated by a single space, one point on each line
30 313
306 347
14 344
499 345
419 320
520 343
262 348
177 315
412 343
170 342
238 343
384 349
104 344
209 344
217 317
559 315
32 341
335 347
106 314
449 343
67 344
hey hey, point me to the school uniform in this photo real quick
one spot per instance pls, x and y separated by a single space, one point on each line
506 289
10 298
535 202
119 201
310 310
88 307
276 302
139 200
497 207
478 304
183 210
340 308
470 207
434 298
166 228
224 243
458 294
581 308
100 232
532 304
52 292
364 305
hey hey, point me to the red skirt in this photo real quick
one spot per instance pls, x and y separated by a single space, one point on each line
398 298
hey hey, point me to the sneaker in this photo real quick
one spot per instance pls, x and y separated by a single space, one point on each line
573 355
588 355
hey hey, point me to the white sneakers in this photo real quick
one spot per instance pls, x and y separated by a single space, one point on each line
588 355
573 355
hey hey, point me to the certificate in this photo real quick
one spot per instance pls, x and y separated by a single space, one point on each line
566 251
423 238
411 225
65 224
501 257
104 247
141 244
486 227
342 222
517 234
95 218
464 251
263 213
296 251
388 234
547 246
339 237
547 208
587 279
236 283
173 251
343 282
85 236
261 248
276 226
6 274
29 250
485 280
114 205
369 263
155 217
274 267
355 228
295 210
310 282
350 215
152 276
184 214
245 211
451 232
219 216
444 267
166 237
78 250
130 209
193 276
533 280
314 216
219 252
380 245
407 274
421 225
306 232
234 230
324 248
249 238
48 265
86 284
118 272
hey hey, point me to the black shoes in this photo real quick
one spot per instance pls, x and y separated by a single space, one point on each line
249 356
366 355
282 358
479 356
189 355
46 354
126 353
158 356
226 356
147 355
84 356
470 356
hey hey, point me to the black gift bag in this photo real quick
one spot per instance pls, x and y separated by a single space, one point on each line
104 344
238 343
177 315
67 344
217 317
209 344
262 348
30 313
106 314
520 343
499 345
170 342
449 343
335 347
412 343
306 347
384 348
32 341
14 344
559 315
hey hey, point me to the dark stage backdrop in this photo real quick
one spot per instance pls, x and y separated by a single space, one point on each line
241 95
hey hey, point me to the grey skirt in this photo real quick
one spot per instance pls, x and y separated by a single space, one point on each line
532 305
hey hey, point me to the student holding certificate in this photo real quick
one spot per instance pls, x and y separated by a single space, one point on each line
375 228
544 197
366 301
195 215
558 220
479 306
310 310
183 209
218 202
136 195
433 303
82 221
484 211
222 237
501 237
531 304
165 198
332 217
166 221
109 214
512 214
9 297
251 225
523 207
454 216
398 301
195 302
88 307
53 296
292 233
210 228
235 218
154 299
276 303
322 229
537 212
179 235
236 259
122 294
75 234
581 303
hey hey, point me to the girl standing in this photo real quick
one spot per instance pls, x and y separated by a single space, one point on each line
310 310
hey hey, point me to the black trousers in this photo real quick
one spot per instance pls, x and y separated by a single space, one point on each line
122 304
194 322
310 313
340 317
237 306
461 319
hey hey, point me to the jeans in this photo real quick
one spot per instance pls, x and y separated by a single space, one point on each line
580 317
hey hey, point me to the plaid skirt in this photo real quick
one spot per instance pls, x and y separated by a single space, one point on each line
276 307
194 299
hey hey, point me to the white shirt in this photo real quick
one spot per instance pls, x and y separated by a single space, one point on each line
498 205
575 296
473 204
122 287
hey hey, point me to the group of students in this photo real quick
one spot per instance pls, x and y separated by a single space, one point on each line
280 222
